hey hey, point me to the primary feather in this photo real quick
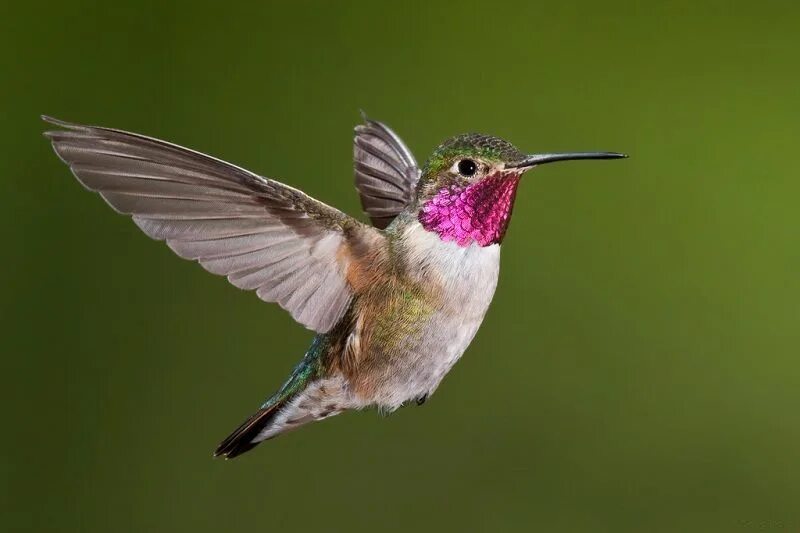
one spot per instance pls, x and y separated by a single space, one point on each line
263 235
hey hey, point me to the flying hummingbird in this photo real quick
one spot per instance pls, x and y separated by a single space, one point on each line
393 304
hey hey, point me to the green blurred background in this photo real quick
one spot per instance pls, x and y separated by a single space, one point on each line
638 370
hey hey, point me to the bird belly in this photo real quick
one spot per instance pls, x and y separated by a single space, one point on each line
408 354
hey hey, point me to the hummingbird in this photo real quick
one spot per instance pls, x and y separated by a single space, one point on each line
394 303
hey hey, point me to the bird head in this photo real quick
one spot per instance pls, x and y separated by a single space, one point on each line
467 188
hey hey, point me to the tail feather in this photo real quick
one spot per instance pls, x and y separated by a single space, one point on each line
242 439
318 400
306 396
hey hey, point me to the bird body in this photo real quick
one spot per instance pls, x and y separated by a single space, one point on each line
394 305
409 331
409 324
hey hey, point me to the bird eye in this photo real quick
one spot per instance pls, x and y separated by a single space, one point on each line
467 167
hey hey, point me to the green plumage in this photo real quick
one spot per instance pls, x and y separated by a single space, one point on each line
309 368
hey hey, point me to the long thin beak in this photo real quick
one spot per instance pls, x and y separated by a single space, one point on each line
541 159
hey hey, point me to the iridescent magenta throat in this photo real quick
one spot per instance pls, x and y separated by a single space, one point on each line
479 212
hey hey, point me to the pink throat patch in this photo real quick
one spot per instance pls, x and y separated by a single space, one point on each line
479 212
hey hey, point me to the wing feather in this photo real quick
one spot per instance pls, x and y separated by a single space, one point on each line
385 172
263 235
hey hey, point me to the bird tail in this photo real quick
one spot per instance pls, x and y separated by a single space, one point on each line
305 397
245 437
270 419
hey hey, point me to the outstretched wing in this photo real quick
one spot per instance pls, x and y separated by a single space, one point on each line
386 172
263 235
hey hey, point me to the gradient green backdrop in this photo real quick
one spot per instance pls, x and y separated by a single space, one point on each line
638 370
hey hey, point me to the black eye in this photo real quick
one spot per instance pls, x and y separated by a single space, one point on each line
467 167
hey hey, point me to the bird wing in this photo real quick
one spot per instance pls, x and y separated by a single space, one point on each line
385 171
263 235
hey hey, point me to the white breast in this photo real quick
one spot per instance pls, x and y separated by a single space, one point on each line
468 278
469 274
